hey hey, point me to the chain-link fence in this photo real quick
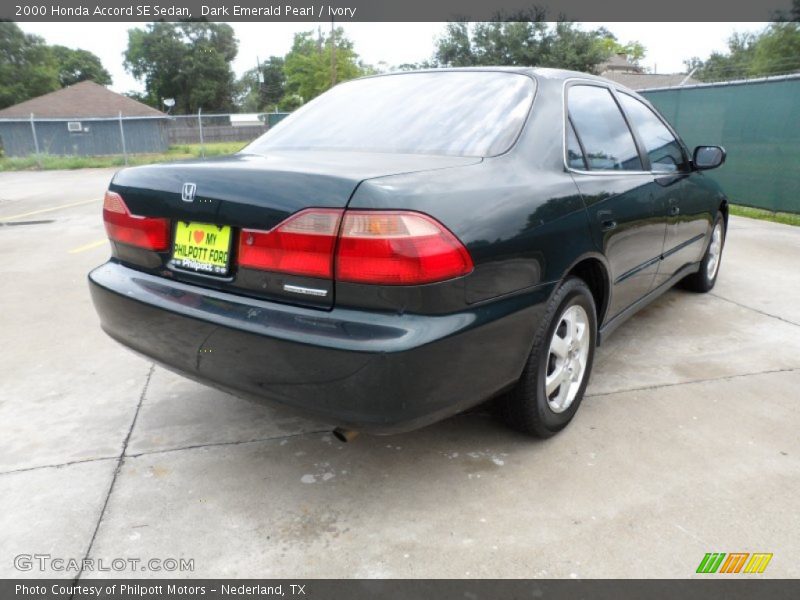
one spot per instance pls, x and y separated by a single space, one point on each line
124 136
219 128
758 123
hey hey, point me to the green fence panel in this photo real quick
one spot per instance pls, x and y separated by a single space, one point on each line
275 118
758 123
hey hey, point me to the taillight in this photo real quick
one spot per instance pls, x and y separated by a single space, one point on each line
145 232
374 247
301 245
398 248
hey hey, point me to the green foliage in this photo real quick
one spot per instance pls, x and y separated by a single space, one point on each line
635 51
307 70
189 61
530 42
454 47
27 66
425 64
777 50
75 66
311 70
572 48
290 102
765 215
774 51
264 94
30 68
273 86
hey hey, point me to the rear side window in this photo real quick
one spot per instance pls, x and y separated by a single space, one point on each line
664 151
575 157
602 129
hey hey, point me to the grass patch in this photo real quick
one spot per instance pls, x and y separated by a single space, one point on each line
765 215
49 162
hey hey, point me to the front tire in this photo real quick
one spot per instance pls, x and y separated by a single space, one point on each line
555 377
703 281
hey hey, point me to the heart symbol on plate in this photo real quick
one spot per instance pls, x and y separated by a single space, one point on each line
198 237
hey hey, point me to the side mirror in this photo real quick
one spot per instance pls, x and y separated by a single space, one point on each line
708 157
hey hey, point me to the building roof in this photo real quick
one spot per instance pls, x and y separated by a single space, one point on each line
646 81
620 62
84 100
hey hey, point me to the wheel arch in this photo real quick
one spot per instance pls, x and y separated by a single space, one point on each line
724 209
593 269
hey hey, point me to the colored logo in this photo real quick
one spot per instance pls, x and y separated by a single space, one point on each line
734 562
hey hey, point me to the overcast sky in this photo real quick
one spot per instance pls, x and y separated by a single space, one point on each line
668 44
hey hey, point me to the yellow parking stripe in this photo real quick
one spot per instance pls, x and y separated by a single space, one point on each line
88 246
50 209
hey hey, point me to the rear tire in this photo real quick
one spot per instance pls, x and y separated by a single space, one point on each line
555 377
703 281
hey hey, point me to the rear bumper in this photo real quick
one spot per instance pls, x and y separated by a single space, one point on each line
372 371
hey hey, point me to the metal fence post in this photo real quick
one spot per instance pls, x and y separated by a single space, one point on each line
36 143
200 121
122 137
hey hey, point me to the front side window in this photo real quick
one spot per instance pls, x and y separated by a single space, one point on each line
458 113
664 151
602 129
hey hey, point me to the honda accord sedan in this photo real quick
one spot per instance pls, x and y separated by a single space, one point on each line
409 245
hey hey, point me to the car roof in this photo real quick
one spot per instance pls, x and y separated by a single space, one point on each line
535 72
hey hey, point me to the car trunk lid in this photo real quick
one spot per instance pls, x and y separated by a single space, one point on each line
255 192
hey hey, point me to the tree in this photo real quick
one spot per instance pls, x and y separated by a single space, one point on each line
773 51
571 48
27 66
454 47
777 50
733 65
189 61
529 41
256 94
316 63
634 50
75 66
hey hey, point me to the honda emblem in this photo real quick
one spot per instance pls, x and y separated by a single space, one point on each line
188 192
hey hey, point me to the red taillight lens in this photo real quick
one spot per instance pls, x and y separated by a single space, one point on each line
301 245
374 247
145 232
398 248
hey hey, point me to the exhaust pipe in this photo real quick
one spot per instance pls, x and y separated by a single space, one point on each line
344 435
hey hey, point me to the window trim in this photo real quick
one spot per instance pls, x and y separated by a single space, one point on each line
571 125
568 83
681 144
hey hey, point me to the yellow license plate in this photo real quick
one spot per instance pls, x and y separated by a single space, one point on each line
202 247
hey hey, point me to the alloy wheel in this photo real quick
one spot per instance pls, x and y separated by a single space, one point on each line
567 357
714 252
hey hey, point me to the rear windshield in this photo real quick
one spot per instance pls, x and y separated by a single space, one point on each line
453 113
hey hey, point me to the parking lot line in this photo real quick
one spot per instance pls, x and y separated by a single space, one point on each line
88 246
49 209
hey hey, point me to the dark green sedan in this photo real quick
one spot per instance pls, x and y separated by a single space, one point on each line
409 245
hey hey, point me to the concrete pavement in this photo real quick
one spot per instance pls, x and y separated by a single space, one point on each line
687 441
